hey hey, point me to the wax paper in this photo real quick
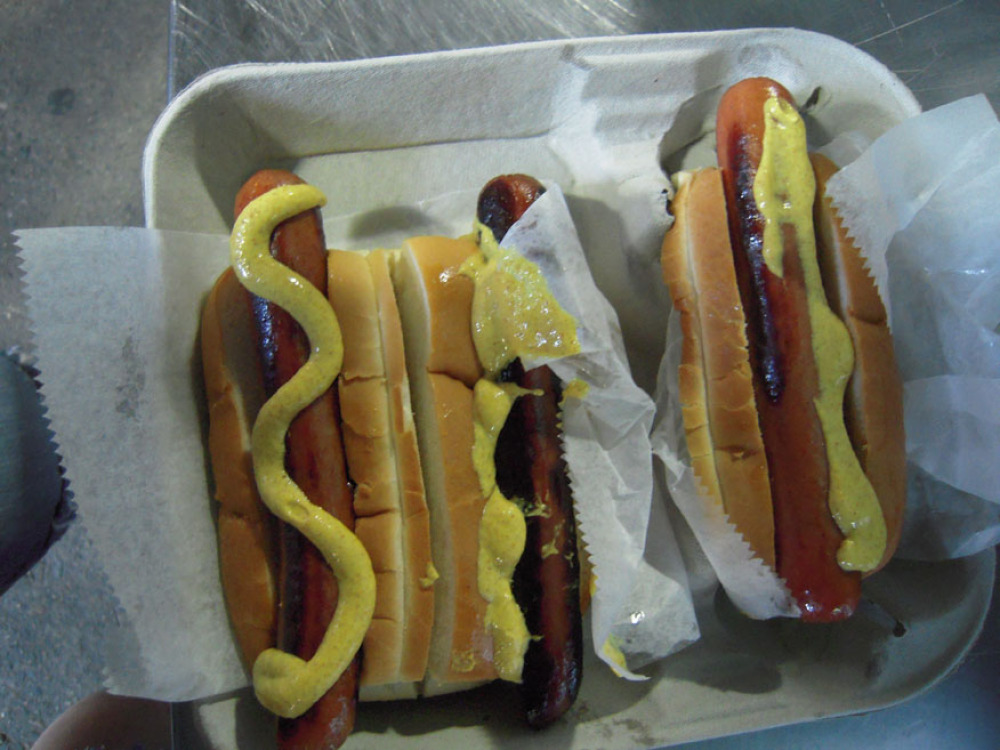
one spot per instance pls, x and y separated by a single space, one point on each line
923 204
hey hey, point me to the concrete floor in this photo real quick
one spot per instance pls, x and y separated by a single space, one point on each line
81 83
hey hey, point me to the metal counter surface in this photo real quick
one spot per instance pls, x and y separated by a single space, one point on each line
80 86
941 49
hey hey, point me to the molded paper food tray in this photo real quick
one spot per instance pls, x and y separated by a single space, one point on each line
598 116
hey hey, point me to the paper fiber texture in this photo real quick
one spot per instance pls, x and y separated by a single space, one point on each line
115 318
922 205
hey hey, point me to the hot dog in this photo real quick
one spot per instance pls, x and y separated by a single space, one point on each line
547 580
308 594
416 409
751 263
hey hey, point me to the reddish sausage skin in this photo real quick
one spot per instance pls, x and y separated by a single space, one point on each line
547 578
315 461
806 536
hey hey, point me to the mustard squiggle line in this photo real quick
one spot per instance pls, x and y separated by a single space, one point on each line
285 684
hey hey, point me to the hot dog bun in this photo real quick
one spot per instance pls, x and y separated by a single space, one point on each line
380 427
436 303
716 383
234 391
766 339
873 404
384 463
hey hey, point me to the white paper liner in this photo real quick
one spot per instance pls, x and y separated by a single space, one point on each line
922 204
116 315
642 607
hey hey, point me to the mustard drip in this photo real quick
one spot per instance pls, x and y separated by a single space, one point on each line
285 684
577 389
784 190
612 650
514 314
502 532
430 576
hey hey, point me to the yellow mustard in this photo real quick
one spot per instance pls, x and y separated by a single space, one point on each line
784 190
430 576
463 661
491 405
577 389
285 684
502 532
613 653
513 312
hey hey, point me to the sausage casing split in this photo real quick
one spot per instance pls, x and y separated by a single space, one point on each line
315 461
